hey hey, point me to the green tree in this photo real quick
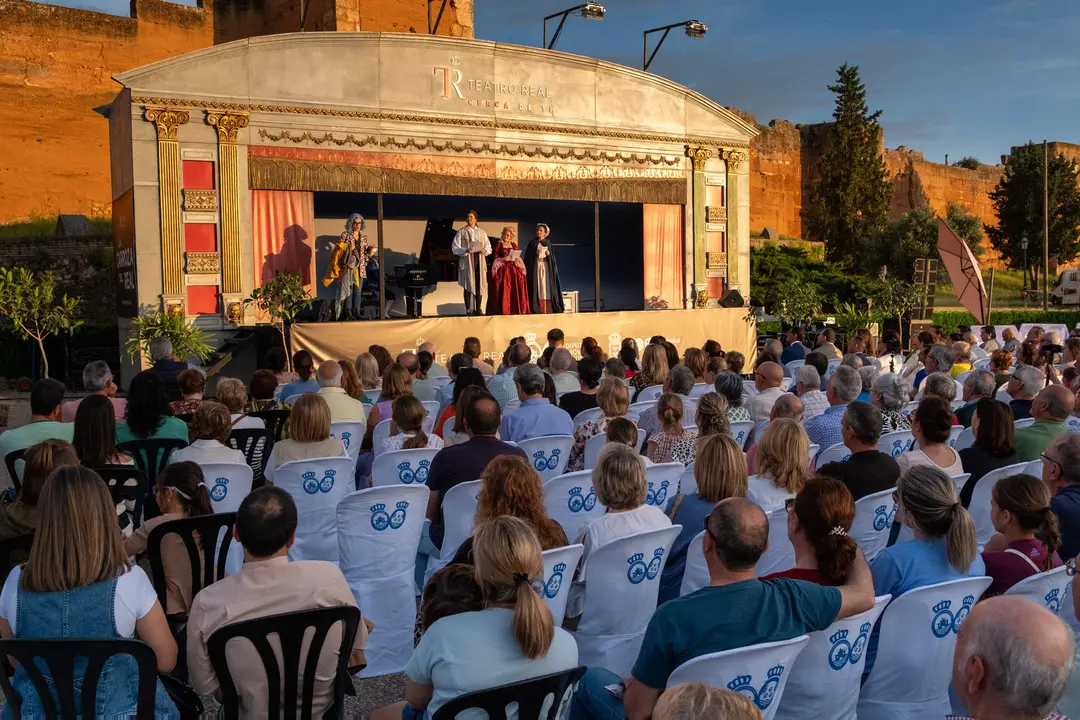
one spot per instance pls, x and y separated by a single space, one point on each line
1018 202
187 339
892 297
281 299
30 306
968 227
968 162
914 236
852 200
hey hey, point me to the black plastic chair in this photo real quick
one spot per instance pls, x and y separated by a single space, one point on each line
529 696
291 630
9 460
151 456
256 445
127 484
275 420
13 551
60 656
186 418
206 558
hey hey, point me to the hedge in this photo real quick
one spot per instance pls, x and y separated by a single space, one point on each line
949 319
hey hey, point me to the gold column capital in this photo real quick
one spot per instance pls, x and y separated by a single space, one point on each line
167 120
699 156
228 124
733 158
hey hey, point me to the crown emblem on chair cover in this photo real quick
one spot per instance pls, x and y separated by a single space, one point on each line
838 635
220 489
943 605
397 518
638 571
405 473
656 563
740 681
860 643
554 583
311 482
345 437
840 652
776 672
380 520
1052 601
576 503
378 507
422 471
865 628
942 624
327 483
962 613
559 567
881 517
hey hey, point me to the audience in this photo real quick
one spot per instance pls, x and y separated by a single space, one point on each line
698 701
826 345
931 424
680 382
669 408
819 519
436 370
565 381
624 432
78 583
304 365
782 464
808 388
268 584
424 385
891 397
342 407
209 433
408 420
192 384
1028 535
166 366
994 447
1061 473
977 385
233 395
148 414
795 349
261 393
1022 386
940 385
770 351
735 361
768 377
961 358
384 359
868 470
309 435
1001 366
869 375
654 369
613 401
97 378
713 367
824 429
1011 344
444 394
891 359
275 360
1050 408
396 382
471 347
695 360
584 398
465 377
367 371
46 397
786 406
938 358
989 338
350 381
452 590
628 355
730 386
20 516
711 418
94 434
537 416
502 386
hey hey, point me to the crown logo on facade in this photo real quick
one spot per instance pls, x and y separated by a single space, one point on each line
943 605
838 635
402 505
559 567
637 557
776 672
419 341
865 628
309 475
740 681
455 60
379 507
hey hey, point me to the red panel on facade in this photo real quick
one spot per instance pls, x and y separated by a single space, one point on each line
198 175
200 237
202 299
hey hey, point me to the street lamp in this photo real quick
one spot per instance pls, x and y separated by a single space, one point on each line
1023 246
694 30
590 11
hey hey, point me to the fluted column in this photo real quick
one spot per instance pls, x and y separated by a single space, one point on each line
699 157
168 122
733 158
228 124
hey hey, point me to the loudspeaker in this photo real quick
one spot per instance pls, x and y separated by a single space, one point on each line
731 299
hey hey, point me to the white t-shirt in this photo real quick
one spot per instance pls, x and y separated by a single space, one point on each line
247 423
761 490
208 451
134 598
395 442
918 457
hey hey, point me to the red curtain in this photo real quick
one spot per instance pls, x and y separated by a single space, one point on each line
663 255
283 234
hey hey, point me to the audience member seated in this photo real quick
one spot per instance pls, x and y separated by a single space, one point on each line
695 701
1061 473
961 358
350 381
261 393
1028 535
309 435
304 365
891 359
754 611
78 584
826 345
713 367
463 378
590 373
46 397
395 383
452 590
408 420
669 408
994 447
868 470
945 545
445 394
795 349
342 407
622 431
782 462
166 366
276 360
454 428
180 492
97 379
435 370
209 433
148 414
786 406
621 487
819 519
502 386
192 384
513 639
735 360
1023 384
367 372
1001 366
565 382
383 358
233 395
730 386
930 425
654 369
471 347
936 358
824 429
719 473
977 385
537 416
466 461
680 382
711 419
613 400
808 388
614 367
20 516
694 359
869 375
268 584
628 355
940 385
94 434
1050 408
424 386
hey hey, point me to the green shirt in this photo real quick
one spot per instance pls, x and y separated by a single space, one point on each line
34 432
1035 438
172 429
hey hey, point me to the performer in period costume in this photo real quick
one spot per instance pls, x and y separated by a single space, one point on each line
506 291
472 246
545 290
348 263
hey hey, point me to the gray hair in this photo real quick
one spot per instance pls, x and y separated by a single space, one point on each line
160 348
773 347
560 360
681 379
846 383
869 375
530 378
942 355
1031 379
893 390
1052 338
941 385
970 339
1067 449
852 360
808 376
730 386
981 382
329 374
96 376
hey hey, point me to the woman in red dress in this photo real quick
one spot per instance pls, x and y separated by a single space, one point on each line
507 292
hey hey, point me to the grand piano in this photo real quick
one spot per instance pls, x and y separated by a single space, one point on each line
436 263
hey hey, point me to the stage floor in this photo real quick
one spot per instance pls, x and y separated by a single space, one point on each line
685 328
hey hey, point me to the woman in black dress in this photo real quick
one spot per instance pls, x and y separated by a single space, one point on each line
545 290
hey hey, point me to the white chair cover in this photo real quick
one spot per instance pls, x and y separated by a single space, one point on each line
954 434
635 411
380 433
316 486
559 567
874 515
964 440
649 394
894 443
1046 588
378 533
760 672
791 367
695 571
741 432
1034 468
402 467
1023 423
813 452
825 679
963 376
749 388
431 414
373 395
549 454
781 554
291 400
227 483
834 453
699 390
687 483
663 483
622 580
833 364
1003 396
961 480
571 501
586 415
593 446
351 434
1073 423
913 668
979 507
459 513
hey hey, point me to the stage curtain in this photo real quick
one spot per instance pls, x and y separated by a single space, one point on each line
663 255
283 234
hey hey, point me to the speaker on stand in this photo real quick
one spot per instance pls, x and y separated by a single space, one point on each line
731 299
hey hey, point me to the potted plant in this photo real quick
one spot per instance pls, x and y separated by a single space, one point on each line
188 340
281 300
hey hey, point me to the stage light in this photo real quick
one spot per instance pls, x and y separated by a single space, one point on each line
694 29
590 11
593 11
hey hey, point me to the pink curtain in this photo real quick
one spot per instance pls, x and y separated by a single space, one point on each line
283 234
663 255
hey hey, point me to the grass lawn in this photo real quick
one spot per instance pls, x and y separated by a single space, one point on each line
1007 286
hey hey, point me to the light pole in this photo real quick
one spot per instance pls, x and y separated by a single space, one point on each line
590 11
1023 246
694 30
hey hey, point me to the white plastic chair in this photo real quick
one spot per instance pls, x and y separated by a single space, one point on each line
695 570
741 431
824 682
813 453
380 433
227 483
559 567
649 394
749 388
781 554
663 483
595 445
291 400
378 534
1023 423
431 414
316 486
792 366
979 507
1073 423
913 667
874 515
834 453
954 434
687 482
570 500
622 580
833 364
964 440
760 672
699 390
1002 396
402 467
548 454
351 434
1046 588
586 415
961 480
963 376
896 442
459 512
636 410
